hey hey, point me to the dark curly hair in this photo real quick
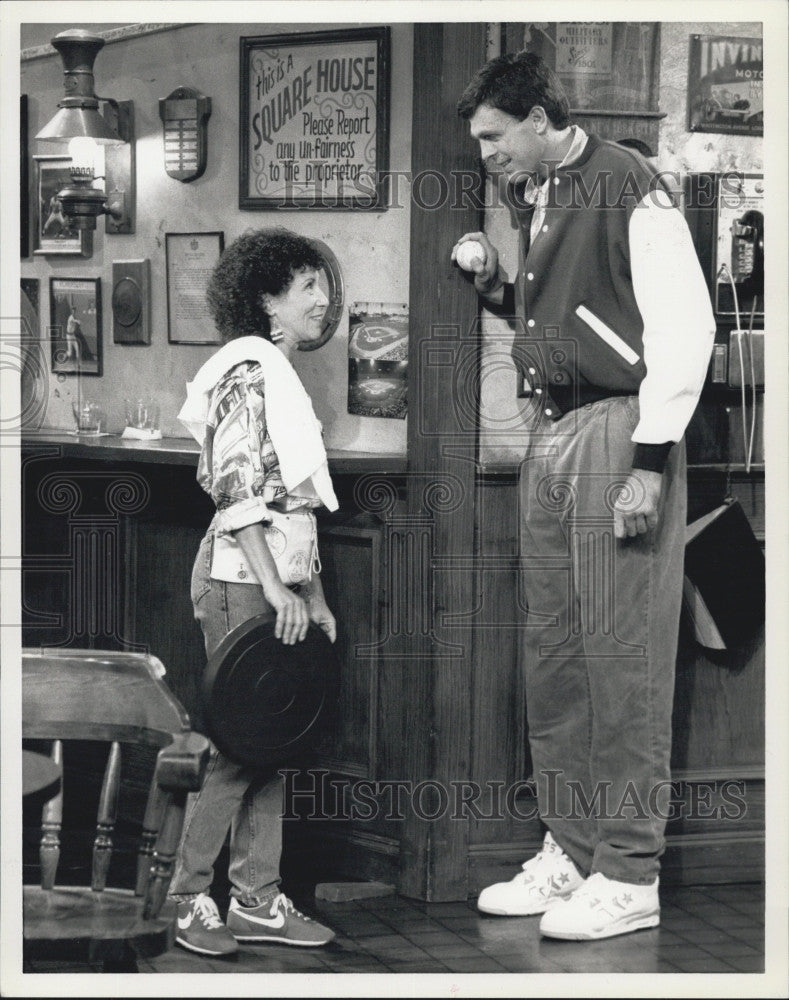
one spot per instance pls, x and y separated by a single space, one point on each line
515 83
258 263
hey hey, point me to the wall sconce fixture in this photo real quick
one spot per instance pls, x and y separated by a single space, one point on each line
79 124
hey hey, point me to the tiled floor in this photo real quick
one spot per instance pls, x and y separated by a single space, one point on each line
703 929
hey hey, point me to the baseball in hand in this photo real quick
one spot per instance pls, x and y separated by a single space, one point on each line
470 252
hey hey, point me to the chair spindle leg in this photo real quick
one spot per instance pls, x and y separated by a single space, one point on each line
105 822
154 810
164 856
51 822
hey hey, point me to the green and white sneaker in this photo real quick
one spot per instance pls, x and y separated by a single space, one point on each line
279 922
200 928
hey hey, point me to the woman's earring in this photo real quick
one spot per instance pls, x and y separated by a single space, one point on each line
276 333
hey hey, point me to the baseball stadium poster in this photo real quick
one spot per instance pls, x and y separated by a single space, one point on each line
378 360
725 85
314 120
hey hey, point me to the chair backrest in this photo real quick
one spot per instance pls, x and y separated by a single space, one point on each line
116 697
90 694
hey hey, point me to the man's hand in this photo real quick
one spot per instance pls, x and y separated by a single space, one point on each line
637 508
486 273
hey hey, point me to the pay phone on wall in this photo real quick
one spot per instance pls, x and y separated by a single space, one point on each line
725 215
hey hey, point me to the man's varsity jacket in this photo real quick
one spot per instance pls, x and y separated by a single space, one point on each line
610 298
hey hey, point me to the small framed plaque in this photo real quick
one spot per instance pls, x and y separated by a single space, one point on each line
184 114
130 302
191 257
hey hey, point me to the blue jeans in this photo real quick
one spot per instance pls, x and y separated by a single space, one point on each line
233 796
600 644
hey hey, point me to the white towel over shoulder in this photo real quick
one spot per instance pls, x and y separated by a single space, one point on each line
290 419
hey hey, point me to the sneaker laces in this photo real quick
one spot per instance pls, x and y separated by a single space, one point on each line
207 909
287 905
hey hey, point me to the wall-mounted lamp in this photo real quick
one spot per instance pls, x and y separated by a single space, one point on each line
79 124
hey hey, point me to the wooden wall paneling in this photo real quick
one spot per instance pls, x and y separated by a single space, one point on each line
164 623
497 847
75 537
46 576
718 707
441 453
159 548
351 560
499 746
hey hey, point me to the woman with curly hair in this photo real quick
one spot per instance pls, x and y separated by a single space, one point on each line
262 457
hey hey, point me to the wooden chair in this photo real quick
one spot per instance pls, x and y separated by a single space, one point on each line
118 698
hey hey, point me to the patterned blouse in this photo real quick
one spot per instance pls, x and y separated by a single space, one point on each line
238 466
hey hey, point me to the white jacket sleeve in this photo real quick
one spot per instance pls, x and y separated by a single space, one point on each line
679 326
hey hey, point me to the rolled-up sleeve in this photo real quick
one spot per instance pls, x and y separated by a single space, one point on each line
232 468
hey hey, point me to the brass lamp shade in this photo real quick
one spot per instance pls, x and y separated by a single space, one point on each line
78 113
69 123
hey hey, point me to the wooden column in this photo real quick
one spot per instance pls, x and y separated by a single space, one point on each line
442 429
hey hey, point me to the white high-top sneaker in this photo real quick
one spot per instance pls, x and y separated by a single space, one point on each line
549 876
603 908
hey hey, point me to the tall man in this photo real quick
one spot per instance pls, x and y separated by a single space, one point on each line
614 331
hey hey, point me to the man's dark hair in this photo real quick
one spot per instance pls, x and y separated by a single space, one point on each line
515 83
258 263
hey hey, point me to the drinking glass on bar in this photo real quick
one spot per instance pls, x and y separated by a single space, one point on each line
89 417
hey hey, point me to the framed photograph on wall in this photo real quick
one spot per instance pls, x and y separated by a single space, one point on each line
55 233
726 85
75 326
191 257
314 120
378 360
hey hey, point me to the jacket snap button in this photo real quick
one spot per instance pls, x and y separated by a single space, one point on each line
242 574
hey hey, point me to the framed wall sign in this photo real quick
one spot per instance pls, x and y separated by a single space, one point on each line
191 257
55 232
75 326
725 85
610 71
314 120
